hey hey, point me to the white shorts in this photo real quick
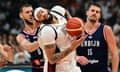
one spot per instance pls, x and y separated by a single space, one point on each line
67 67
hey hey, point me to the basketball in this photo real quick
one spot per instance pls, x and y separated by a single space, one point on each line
74 26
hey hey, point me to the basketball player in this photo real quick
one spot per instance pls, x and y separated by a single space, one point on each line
27 38
6 55
54 37
99 42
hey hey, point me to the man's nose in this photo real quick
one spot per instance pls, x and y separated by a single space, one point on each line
31 13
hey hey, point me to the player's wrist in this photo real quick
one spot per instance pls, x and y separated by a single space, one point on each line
73 47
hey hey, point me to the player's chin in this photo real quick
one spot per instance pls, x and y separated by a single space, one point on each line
31 21
93 19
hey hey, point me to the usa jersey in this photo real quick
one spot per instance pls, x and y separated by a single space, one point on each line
96 50
68 63
37 55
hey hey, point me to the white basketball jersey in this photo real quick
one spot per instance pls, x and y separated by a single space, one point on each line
47 36
67 64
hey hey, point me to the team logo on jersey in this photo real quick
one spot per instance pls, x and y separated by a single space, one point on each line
35 37
27 37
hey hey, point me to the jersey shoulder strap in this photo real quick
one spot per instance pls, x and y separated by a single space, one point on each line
51 27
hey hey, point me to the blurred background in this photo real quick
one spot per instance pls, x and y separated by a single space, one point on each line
11 24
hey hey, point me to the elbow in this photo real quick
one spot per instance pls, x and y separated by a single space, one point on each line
51 61
29 50
115 55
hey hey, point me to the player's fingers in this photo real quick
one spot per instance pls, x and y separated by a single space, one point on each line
82 38
83 61
74 37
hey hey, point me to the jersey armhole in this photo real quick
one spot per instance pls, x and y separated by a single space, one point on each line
52 28
104 32
20 35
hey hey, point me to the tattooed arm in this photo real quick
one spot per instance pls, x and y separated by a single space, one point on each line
54 57
47 40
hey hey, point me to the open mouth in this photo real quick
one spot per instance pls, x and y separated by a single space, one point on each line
93 15
31 18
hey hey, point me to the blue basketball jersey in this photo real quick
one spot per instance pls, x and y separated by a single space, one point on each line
36 56
96 50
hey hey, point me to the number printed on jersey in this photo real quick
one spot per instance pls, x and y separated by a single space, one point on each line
90 52
38 51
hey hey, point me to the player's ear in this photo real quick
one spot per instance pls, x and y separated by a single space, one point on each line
86 13
20 15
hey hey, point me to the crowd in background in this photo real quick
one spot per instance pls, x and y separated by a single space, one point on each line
11 25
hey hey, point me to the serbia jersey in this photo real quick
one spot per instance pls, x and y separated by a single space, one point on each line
37 55
95 49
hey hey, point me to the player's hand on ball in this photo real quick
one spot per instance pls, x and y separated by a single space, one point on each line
76 42
75 26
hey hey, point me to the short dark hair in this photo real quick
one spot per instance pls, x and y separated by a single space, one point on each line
24 5
94 4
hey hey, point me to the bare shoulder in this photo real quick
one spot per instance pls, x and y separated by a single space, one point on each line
109 35
108 28
20 37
